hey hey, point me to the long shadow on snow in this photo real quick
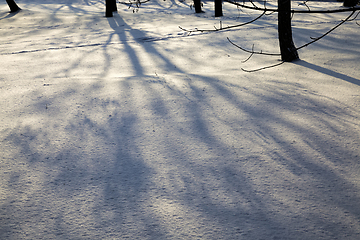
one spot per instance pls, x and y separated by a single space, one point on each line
226 191
328 72
286 154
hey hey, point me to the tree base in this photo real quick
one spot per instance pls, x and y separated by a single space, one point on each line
289 55
350 3
13 6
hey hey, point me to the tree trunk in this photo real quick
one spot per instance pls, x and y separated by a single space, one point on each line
218 8
13 6
113 5
350 3
287 47
108 8
197 5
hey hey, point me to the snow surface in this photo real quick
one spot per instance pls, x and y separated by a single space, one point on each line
128 127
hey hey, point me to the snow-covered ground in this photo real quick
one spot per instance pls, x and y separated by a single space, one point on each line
128 127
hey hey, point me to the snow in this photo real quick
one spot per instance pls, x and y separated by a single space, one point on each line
129 127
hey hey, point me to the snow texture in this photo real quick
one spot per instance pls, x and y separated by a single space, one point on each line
128 127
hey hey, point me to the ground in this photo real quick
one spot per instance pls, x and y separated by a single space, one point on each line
129 127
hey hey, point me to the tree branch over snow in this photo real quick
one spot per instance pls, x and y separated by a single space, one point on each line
262 68
221 27
254 7
137 3
304 3
338 25
252 51
288 51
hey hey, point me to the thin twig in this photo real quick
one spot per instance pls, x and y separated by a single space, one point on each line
354 17
253 3
268 14
259 69
304 3
222 28
253 52
134 2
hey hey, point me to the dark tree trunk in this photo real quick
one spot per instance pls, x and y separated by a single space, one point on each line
287 47
108 8
113 5
13 6
218 8
350 3
197 5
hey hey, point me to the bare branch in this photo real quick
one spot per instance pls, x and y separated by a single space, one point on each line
296 11
318 38
354 17
134 2
253 4
304 3
254 7
188 31
253 52
221 28
137 4
259 69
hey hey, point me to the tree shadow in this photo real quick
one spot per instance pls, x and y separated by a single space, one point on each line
177 155
9 15
328 72
116 22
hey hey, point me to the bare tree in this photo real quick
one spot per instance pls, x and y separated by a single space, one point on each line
13 6
288 51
